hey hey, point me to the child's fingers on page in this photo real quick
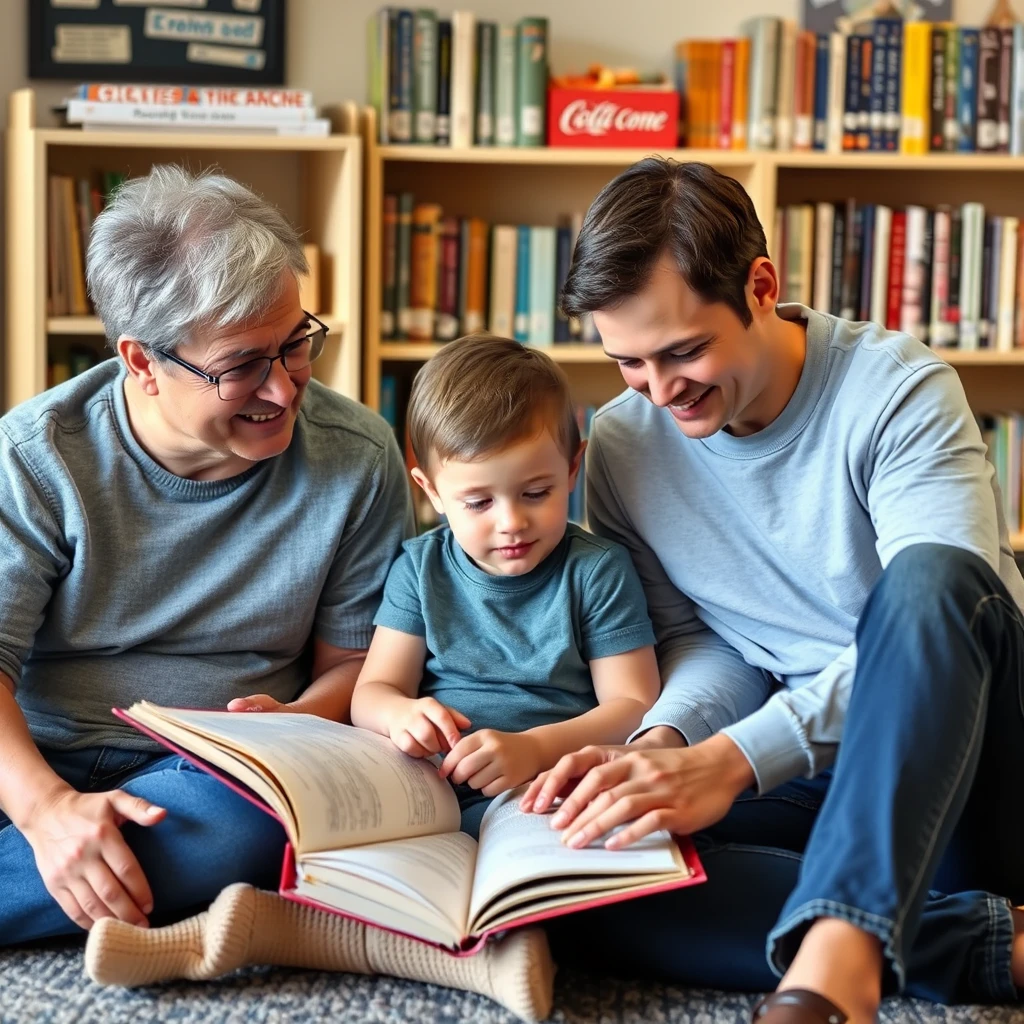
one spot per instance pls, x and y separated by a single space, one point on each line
469 765
422 731
486 779
407 744
444 723
660 817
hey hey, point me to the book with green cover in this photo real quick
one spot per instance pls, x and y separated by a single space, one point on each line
532 77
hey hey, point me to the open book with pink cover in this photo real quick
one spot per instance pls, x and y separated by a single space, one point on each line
374 834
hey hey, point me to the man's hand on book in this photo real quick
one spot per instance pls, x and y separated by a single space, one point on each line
257 702
83 859
493 761
683 790
423 727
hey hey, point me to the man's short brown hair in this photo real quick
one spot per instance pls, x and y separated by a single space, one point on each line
482 393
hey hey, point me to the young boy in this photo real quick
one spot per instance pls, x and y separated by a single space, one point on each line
507 637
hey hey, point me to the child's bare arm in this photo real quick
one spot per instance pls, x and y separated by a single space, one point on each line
385 698
627 685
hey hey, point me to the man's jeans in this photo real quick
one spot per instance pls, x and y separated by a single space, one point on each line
210 838
916 836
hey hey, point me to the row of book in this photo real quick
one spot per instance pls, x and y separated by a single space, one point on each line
100 106
1004 435
457 81
63 364
951 276
910 87
72 205
443 277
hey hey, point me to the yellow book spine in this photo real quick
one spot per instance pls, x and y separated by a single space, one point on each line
917 37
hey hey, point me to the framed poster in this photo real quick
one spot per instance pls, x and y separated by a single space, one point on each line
231 42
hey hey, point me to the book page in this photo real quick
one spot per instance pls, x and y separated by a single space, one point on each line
518 848
345 785
429 877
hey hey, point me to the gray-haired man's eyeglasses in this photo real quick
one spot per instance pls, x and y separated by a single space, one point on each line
247 377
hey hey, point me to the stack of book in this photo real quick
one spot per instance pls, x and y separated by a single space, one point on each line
443 277
1004 435
458 81
101 107
889 86
952 276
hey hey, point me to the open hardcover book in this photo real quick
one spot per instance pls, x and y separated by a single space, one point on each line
374 834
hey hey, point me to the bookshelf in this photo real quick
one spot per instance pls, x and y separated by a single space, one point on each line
536 185
316 182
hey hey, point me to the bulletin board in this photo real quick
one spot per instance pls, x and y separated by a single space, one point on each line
233 42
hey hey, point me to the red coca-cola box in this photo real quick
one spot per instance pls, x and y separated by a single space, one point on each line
645 118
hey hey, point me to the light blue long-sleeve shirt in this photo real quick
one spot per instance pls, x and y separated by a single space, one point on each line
757 553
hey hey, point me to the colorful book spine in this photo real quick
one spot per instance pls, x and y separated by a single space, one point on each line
838 260
967 94
424 57
505 86
867 260
563 259
876 98
912 313
426 218
867 54
443 121
403 265
915 88
521 324
955 263
987 119
950 122
764 32
937 107
400 124
972 234
726 94
377 80
389 266
532 81
852 97
446 323
836 91
939 331
473 275
893 72
1005 93
821 84
504 243
897 257
486 41
1017 107
542 286
463 79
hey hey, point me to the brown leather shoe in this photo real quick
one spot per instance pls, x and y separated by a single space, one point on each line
797 1006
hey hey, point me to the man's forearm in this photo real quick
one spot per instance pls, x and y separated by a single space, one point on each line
330 694
25 777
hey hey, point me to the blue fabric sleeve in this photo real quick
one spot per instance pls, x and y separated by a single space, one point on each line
614 619
402 607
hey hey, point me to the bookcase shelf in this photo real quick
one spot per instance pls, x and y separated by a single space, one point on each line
402 351
316 182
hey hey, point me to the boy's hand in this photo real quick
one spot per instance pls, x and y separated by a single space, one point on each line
493 761
425 727
257 702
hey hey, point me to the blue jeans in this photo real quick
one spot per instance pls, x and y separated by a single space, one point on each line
210 838
916 835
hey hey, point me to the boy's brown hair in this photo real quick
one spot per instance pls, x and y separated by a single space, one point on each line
482 393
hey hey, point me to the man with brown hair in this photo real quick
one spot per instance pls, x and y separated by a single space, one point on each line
809 506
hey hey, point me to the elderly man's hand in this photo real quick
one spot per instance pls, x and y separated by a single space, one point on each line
257 702
683 790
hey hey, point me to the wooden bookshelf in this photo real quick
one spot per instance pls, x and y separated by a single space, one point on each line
316 182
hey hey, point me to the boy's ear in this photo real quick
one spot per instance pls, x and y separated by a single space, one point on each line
574 466
423 481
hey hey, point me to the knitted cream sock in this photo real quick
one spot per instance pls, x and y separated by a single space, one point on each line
249 926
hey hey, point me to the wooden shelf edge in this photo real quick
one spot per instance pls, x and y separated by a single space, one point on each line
561 155
561 352
74 325
141 138
980 357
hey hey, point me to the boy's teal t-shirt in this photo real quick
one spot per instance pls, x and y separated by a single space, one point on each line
513 652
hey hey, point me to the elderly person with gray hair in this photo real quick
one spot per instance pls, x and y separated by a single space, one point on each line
196 522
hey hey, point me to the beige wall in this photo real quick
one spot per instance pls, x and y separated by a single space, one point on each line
326 39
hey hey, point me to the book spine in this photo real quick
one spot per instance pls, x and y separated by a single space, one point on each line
851 262
542 286
897 256
486 32
764 60
984 317
400 123
824 216
532 74
462 78
867 53
836 91
1018 322
784 85
521 324
950 125
215 96
505 86
726 96
880 265
426 219
821 87
446 324
389 259
1005 90
81 111
403 265
835 304
915 88
1007 284
913 272
995 280
802 132
972 219
741 93
443 121
563 259
876 99
867 260
967 95
503 280
474 257
955 251
987 120
377 82
938 332
937 110
852 99
1017 107
713 83
425 64
893 72
927 276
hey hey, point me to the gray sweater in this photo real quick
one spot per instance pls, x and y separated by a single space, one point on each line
120 581
757 553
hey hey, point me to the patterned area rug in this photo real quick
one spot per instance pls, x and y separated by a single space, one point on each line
45 985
